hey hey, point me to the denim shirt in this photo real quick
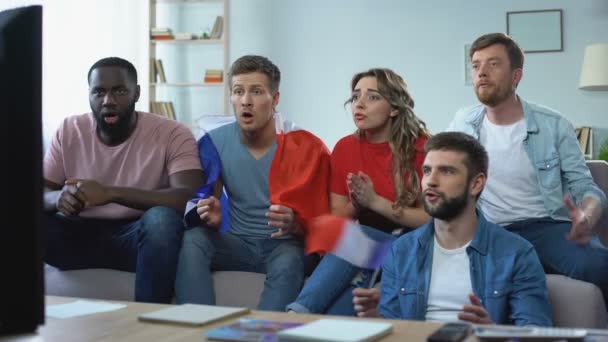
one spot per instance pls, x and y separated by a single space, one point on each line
554 152
506 275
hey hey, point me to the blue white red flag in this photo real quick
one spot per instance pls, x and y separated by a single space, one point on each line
346 239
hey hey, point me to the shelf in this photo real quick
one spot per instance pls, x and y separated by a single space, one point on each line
186 60
187 84
187 41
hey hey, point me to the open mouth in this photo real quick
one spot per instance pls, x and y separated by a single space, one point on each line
110 118
247 117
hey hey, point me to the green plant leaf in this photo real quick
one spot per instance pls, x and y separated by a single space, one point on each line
604 151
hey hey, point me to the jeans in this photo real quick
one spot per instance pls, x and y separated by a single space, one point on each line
329 289
204 250
558 255
148 246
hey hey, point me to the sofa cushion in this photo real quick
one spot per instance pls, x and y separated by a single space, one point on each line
232 288
97 283
576 303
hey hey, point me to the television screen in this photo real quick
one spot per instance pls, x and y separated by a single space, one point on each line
21 266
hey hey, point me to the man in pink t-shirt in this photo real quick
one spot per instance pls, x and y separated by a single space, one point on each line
116 185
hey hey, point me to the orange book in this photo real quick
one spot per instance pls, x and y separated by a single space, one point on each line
214 80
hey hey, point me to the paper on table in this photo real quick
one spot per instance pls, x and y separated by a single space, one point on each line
80 308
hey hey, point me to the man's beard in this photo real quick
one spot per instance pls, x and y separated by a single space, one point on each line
493 98
120 130
448 208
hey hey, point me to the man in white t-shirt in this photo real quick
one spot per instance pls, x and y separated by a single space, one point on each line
539 185
458 266
116 185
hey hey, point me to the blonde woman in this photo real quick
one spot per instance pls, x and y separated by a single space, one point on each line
375 178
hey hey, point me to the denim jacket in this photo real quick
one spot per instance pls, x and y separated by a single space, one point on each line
554 151
506 275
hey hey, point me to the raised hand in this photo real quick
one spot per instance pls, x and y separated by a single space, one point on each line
210 211
283 218
70 202
366 302
475 313
581 231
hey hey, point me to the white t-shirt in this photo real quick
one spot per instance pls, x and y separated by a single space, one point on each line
450 283
511 192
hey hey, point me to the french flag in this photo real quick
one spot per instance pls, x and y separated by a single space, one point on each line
346 239
299 173
212 166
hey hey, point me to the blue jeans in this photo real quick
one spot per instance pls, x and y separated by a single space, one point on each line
204 250
148 246
558 255
329 289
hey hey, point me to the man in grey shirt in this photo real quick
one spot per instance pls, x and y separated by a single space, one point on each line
264 237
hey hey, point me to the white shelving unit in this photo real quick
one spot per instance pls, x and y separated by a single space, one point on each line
185 61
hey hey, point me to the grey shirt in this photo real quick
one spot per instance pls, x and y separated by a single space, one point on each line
246 182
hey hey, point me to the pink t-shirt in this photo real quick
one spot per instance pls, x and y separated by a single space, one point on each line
158 147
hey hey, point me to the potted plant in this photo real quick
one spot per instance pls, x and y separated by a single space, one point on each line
604 151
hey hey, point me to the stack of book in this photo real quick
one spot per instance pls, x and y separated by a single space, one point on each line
163 108
214 76
161 33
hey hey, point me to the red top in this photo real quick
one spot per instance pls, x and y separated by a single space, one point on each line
354 154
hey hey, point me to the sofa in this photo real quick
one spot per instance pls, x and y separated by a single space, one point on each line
574 303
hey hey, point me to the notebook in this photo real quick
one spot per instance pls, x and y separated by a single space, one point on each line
192 314
250 330
336 330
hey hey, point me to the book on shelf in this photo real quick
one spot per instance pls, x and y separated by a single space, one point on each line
250 330
171 109
161 33
184 36
160 71
218 28
584 135
214 76
163 108
152 70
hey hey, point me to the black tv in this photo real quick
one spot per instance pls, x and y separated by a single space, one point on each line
21 242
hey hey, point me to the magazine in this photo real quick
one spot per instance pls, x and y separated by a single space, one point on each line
251 330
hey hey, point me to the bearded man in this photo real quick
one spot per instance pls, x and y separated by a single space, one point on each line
116 185
539 185
459 266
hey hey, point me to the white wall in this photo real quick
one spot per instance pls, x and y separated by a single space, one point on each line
77 33
320 44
